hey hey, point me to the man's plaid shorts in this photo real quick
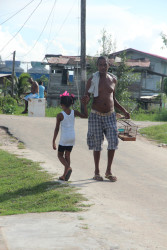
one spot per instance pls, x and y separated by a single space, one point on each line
98 126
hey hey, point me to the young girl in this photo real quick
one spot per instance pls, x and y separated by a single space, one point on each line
65 119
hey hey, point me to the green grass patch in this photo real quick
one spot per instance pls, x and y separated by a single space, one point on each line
25 188
21 145
157 133
52 111
145 115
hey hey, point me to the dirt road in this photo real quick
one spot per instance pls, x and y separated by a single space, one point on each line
128 214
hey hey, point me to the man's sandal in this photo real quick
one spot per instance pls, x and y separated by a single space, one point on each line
61 178
98 177
111 178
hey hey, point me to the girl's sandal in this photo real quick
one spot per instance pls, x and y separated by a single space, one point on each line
98 177
111 177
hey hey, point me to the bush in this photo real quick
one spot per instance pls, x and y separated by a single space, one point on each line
8 104
8 109
7 100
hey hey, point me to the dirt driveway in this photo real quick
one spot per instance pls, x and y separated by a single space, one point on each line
128 214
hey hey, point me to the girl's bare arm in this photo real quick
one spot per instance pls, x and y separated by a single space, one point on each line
82 115
59 118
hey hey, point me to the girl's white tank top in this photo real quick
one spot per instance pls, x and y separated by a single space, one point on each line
67 137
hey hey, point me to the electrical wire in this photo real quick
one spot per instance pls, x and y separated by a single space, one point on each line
16 12
21 26
63 22
66 17
49 34
42 29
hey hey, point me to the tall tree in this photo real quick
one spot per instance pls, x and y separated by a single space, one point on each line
107 45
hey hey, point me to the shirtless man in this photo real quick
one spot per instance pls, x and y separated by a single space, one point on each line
102 119
34 93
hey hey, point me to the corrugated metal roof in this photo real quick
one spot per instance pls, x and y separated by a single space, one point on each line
149 96
145 63
130 49
64 60
74 60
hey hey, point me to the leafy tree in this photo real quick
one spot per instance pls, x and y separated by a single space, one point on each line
23 85
125 76
165 86
7 86
107 44
44 79
164 39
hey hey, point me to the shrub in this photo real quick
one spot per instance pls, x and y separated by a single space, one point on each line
8 109
8 100
8 104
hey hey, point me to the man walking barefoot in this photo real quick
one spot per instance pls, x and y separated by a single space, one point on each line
102 119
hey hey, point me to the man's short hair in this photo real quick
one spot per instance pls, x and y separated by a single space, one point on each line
40 82
102 58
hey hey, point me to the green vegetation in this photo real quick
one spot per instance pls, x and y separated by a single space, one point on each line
145 115
157 133
24 188
21 145
52 111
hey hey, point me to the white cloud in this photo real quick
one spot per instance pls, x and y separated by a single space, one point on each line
62 37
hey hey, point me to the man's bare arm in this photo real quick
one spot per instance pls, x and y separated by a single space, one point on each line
120 107
86 97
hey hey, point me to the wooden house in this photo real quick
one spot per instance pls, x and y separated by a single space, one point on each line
152 69
64 76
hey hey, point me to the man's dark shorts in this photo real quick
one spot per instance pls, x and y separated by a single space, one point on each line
64 148
100 125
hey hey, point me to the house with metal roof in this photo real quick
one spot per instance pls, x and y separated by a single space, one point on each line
64 76
152 70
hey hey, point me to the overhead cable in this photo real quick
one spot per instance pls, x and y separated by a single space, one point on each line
42 29
16 12
21 26
63 21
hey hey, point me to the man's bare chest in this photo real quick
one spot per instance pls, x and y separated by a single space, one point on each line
106 87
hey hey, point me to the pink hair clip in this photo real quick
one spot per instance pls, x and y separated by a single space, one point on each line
64 94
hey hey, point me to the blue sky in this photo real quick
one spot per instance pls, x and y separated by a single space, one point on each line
132 24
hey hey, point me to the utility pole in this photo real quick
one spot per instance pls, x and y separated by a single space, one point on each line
83 48
13 72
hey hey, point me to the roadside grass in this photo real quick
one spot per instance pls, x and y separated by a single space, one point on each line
26 188
49 112
21 145
157 133
155 115
52 111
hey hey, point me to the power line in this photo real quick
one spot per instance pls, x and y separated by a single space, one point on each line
21 26
49 34
16 13
64 21
66 17
42 29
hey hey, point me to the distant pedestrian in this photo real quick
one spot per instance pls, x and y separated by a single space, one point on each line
33 95
41 90
66 119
